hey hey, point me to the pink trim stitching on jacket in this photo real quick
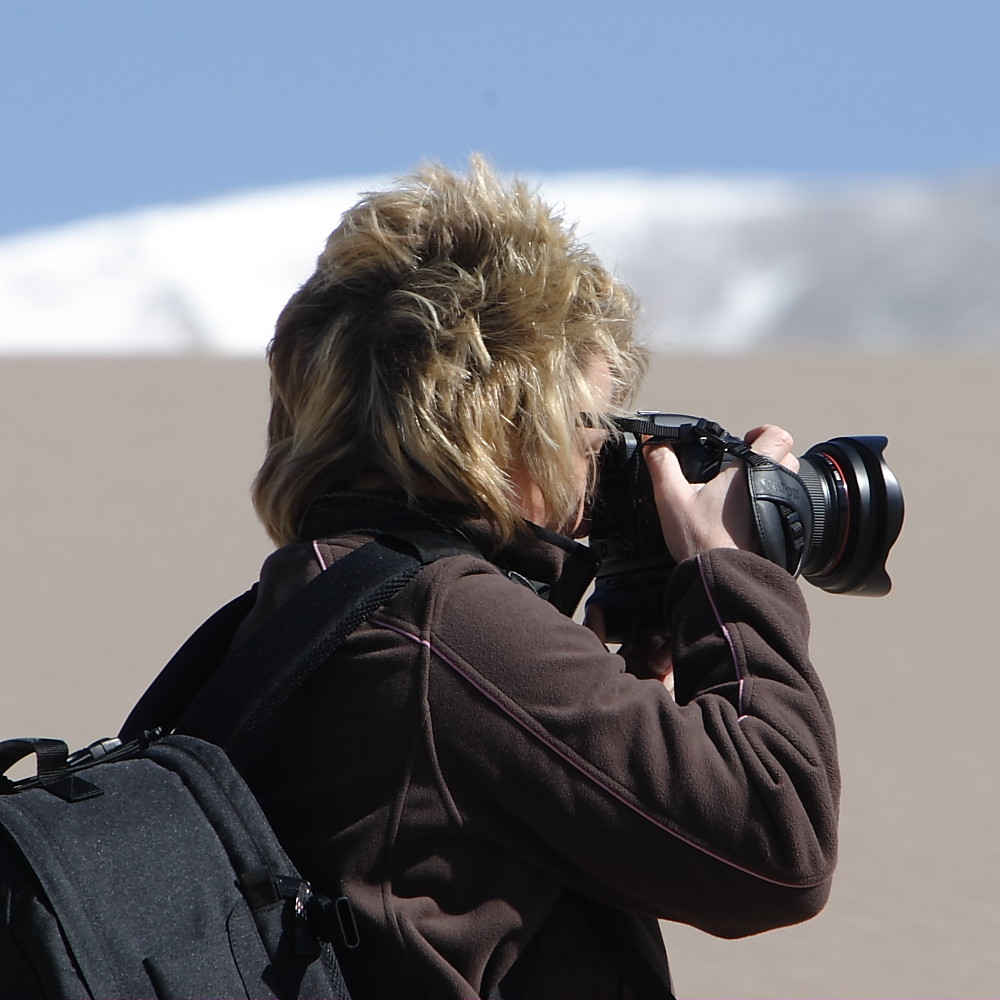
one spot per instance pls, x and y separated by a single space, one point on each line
724 629
555 748
319 555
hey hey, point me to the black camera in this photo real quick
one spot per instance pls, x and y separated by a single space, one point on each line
833 522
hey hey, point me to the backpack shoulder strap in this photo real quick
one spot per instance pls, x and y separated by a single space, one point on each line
204 686
179 681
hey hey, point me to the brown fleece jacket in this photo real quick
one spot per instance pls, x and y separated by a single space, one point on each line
473 766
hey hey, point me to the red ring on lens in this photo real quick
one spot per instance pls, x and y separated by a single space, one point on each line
843 512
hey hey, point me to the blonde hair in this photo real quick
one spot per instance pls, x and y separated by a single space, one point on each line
444 338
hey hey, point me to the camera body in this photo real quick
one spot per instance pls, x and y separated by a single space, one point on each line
834 522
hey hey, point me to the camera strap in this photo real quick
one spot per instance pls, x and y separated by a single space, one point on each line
781 508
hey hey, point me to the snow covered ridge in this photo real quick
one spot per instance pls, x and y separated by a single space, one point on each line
719 265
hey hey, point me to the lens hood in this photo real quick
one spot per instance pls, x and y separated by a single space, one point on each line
858 513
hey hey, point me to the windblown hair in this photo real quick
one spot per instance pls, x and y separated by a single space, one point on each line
444 339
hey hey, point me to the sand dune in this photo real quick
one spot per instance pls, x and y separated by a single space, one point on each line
126 521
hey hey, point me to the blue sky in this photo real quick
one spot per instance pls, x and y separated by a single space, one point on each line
113 104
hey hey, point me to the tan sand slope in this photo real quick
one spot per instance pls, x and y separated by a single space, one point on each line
126 521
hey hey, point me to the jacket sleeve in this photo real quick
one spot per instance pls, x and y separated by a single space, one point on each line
717 810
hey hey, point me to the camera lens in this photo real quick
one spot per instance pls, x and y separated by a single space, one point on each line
837 536
857 513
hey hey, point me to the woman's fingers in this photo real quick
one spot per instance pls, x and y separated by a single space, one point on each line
594 620
662 458
696 517
775 443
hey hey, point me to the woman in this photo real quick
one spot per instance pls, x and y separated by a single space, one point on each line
506 807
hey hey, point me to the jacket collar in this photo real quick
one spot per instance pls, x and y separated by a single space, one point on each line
558 568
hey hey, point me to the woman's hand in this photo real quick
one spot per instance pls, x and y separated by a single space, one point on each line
696 517
652 659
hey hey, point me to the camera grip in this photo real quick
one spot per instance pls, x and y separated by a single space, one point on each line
781 510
